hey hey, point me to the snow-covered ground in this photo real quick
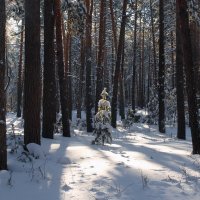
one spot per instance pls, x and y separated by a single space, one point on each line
141 164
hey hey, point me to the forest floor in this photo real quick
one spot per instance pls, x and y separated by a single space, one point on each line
140 164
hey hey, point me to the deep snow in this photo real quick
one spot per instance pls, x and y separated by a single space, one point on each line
141 164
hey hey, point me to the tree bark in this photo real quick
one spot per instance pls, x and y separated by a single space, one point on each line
189 72
155 77
3 151
161 75
20 75
100 68
88 54
61 71
117 68
81 73
134 58
121 87
113 25
179 81
49 79
32 81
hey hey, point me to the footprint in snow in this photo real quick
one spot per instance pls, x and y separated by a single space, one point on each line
63 161
66 187
120 163
125 156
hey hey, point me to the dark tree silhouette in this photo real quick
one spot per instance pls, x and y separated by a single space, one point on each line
161 72
134 58
20 75
100 68
179 81
3 152
32 81
189 72
49 81
88 54
61 72
118 65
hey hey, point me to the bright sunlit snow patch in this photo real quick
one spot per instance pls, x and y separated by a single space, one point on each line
35 150
140 164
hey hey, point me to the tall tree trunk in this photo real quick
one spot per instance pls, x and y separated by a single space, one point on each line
99 71
154 47
81 73
161 77
172 59
140 71
117 68
113 25
149 81
61 71
3 151
49 79
32 89
69 79
121 87
67 57
134 58
20 75
88 52
179 81
189 72
114 39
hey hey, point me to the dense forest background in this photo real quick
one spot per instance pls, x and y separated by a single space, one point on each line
57 56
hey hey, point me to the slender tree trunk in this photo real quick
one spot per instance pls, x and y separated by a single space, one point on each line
3 151
49 76
100 68
20 75
88 52
161 77
142 72
80 87
189 72
117 68
32 81
172 59
195 40
121 87
67 56
155 78
69 79
179 81
141 56
149 73
61 71
134 58
113 25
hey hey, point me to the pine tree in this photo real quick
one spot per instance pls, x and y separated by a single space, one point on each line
133 99
161 75
102 128
117 68
20 74
32 81
3 151
88 57
49 81
189 72
101 49
181 134
61 72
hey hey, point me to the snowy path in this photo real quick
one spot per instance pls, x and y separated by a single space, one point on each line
140 164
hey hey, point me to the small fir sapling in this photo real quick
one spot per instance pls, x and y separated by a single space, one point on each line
102 127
